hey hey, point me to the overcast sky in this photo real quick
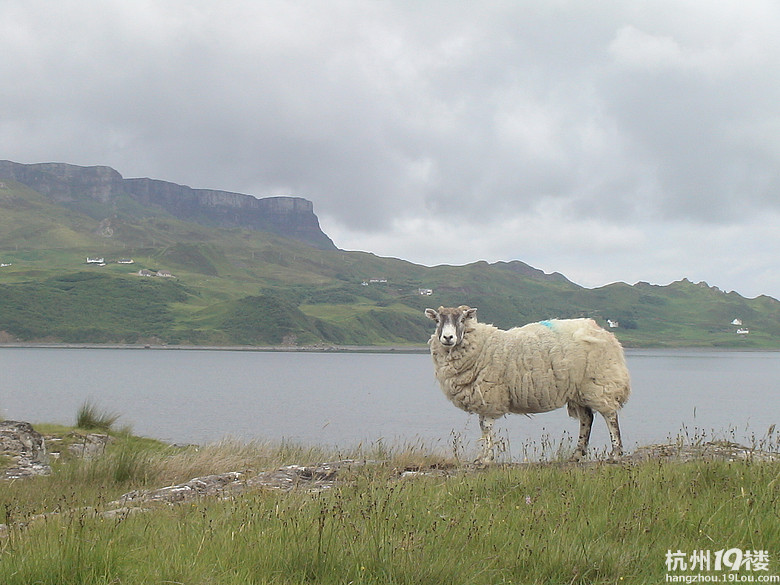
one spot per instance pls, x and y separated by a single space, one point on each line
606 140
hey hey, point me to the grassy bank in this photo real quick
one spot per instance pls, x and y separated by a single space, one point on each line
547 523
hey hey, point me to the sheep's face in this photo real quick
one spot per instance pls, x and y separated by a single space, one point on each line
450 323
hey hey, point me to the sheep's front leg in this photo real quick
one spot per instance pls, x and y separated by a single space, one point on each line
486 425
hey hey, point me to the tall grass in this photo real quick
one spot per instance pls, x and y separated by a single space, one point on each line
540 523
90 417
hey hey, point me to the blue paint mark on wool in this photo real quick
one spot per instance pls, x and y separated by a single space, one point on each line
548 324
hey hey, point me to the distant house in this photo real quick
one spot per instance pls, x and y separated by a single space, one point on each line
165 273
96 260
125 261
737 321
4 264
425 291
613 324
145 272
742 331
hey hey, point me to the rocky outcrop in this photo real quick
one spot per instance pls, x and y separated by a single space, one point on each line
22 451
311 478
71 185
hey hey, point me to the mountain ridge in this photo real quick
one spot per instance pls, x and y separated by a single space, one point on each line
68 185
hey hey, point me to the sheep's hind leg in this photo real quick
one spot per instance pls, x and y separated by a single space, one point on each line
614 433
486 425
585 415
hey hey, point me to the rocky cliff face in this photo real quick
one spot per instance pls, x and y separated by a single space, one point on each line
292 217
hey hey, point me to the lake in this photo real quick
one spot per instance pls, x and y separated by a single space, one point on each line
347 399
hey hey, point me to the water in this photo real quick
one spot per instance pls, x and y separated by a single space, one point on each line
347 399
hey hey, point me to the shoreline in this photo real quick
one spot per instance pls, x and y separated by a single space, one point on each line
410 349
399 349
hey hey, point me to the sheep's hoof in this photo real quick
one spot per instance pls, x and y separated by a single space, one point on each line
483 462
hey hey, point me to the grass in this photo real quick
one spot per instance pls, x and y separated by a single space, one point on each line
542 523
90 417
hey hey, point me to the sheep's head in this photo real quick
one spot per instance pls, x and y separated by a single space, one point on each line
450 323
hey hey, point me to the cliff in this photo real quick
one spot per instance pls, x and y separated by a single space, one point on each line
72 185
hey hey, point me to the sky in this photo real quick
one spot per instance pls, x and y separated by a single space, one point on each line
605 140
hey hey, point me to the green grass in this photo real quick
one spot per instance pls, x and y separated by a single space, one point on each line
547 523
90 417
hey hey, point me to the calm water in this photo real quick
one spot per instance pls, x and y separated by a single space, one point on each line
344 399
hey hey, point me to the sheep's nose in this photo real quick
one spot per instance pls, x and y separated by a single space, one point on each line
447 339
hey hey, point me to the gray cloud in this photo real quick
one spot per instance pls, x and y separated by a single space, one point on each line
640 124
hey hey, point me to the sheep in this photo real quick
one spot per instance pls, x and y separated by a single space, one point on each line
535 368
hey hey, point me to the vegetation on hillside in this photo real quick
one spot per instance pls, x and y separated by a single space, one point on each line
238 286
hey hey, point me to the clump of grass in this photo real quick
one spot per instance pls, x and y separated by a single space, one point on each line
90 417
120 468
178 464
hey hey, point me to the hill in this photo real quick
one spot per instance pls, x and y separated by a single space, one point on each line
222 270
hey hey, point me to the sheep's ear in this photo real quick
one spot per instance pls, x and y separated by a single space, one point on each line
431 314
471 313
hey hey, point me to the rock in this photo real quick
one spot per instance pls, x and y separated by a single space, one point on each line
210 485
89 446
25 448
707 451
312 478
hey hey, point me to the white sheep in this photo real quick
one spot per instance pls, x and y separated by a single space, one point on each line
536 368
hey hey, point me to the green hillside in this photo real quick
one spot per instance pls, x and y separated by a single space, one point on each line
241 286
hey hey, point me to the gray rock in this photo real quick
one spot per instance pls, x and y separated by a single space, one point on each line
89 446
313 478
23 450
